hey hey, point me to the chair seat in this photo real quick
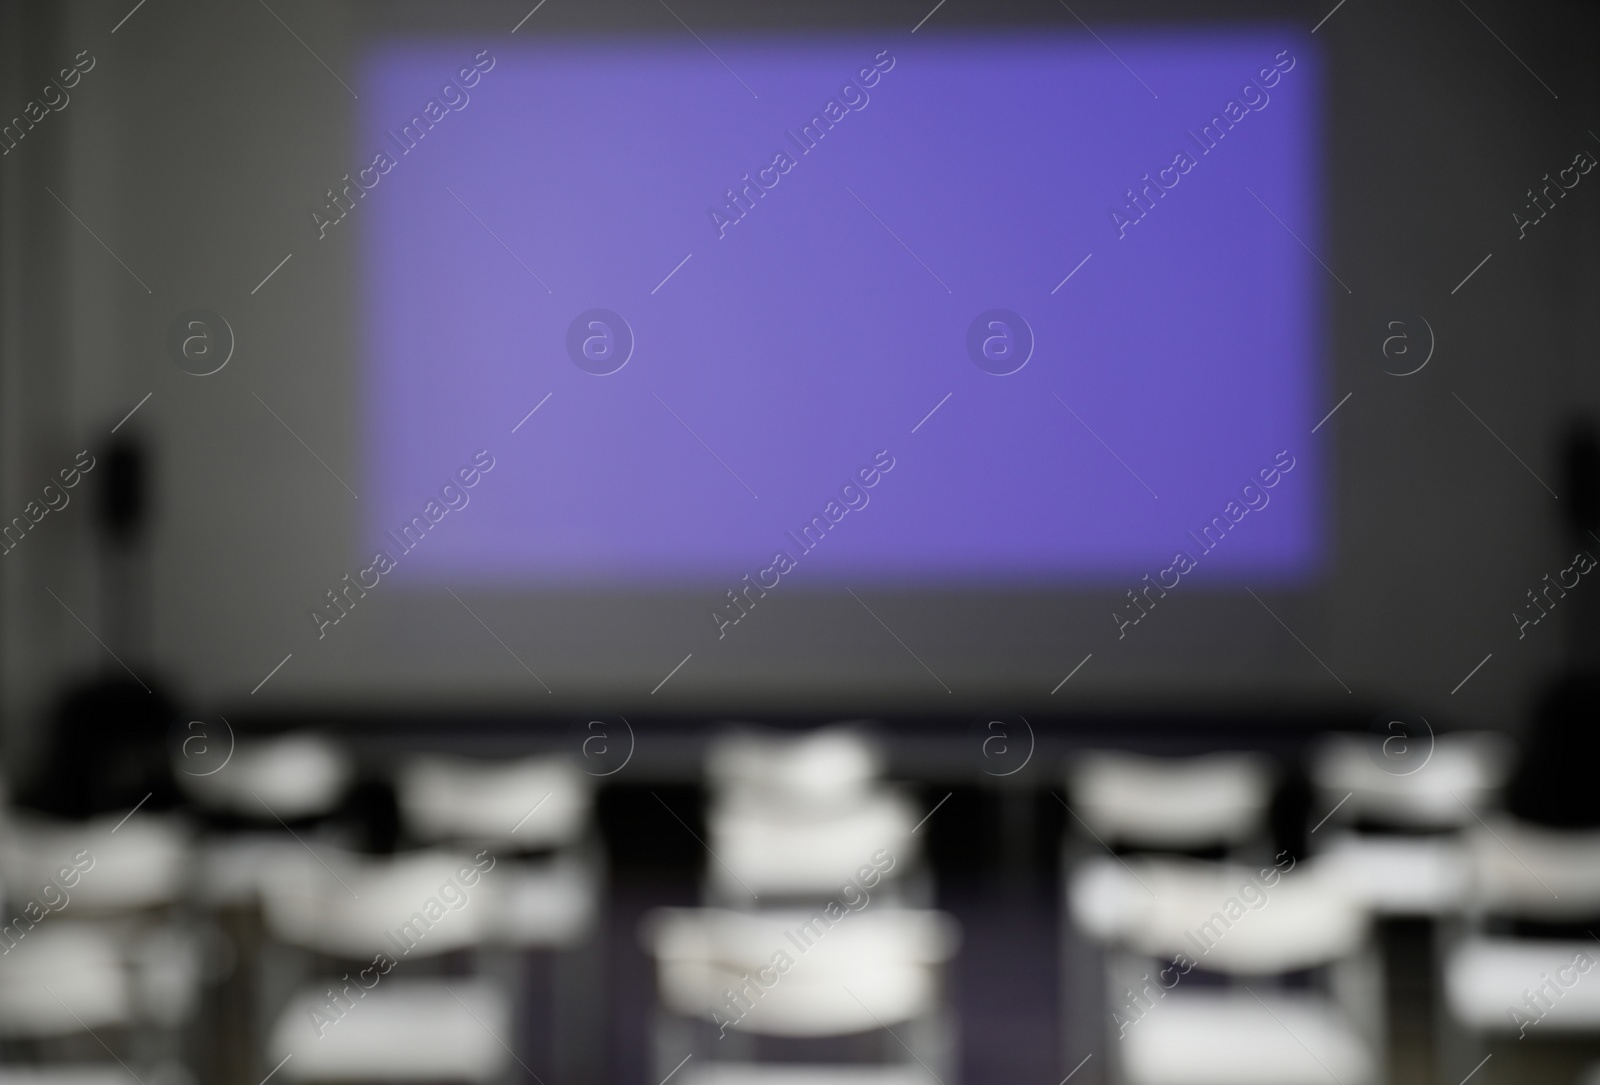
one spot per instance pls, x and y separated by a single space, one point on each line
777 851
1536 872
347 905
146 862
862 973
1225 917
756 1073
1486 979
79 964
1229 1038
419 1030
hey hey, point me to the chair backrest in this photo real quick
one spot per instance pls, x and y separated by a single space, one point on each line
1463 773
288 776
829 768
1509 984
1529 872
528 803
800 973
788 851
1176 803
1222 916
103 865
349 905
62 978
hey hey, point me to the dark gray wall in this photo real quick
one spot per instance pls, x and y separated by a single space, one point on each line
205 131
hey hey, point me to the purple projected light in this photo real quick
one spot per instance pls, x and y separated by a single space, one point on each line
733 303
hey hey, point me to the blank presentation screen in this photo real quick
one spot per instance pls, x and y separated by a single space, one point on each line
1002 309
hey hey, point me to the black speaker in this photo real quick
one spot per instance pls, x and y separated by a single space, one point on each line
124 490
1580 472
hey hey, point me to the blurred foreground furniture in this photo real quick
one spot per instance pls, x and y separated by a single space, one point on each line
1391 820
798 818
808 966
97 937
739 989
1424 783
1218 975
394 998
1177 804
534 817
1124 802
1526 964
262 799
285 778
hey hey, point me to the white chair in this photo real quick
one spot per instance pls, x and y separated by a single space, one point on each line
290 777
527 804
800 974
1241 1038
830 768
887 960
1165 919
397 1027
548 904
1171 803
1531 872
1527 987
1396 874
253 787
796 817
1428 790
264 782
422 1030
94 936
64 977
786 852
347 905
143 862
1489 981
116 882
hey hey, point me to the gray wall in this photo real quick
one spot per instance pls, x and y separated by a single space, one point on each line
205 131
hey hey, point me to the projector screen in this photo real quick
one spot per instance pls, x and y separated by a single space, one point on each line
1005 310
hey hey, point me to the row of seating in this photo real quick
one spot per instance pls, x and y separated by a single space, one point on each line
263 931
1250 965
265 921
815 928
340 965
